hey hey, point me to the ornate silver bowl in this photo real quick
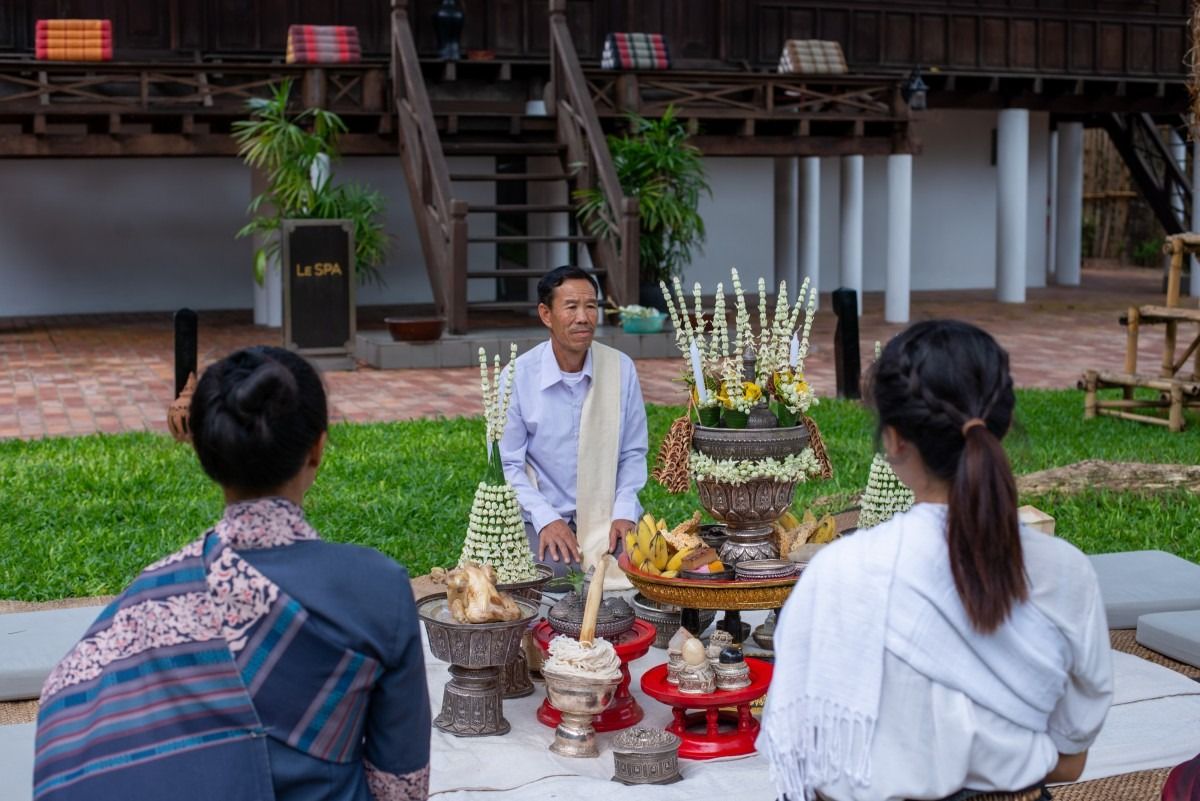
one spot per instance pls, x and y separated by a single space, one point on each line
514 677
579 699
646 756
472 704
748 509
665 618
614 618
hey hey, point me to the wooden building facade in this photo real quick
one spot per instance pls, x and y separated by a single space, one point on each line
1111 38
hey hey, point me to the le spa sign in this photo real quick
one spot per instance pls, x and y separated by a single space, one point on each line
318 286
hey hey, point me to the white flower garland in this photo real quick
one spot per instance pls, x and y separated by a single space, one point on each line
496 534
796 467
721 360
495 529
885 495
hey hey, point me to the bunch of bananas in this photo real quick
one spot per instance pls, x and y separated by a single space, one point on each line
651 552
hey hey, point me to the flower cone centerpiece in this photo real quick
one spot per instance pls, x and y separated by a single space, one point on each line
495 531
753 442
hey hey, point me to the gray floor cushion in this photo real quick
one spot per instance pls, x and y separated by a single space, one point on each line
1140 583
16 762
31 643
1173 634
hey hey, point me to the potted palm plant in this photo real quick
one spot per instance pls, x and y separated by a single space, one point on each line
656 165
296 152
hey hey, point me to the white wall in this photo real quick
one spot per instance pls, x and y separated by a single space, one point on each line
81 236
954 209
112 235
740 221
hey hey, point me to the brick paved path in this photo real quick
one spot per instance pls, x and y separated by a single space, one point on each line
79 375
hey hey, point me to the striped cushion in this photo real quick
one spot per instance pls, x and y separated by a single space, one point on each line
812 57
74 40
323 44
635 51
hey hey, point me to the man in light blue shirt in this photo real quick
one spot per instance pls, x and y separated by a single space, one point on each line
552 383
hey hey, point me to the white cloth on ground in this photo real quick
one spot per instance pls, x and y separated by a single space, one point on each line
949 708
1152 725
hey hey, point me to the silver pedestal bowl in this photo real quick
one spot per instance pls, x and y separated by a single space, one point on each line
748 509
579 699
514 677
472 702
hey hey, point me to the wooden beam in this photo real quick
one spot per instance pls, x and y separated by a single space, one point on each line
768 146
123 145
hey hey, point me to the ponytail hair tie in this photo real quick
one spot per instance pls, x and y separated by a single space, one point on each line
972 423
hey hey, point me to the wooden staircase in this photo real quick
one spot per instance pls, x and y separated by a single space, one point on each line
496 247
1139 140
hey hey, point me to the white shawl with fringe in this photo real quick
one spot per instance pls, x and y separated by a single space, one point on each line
891 587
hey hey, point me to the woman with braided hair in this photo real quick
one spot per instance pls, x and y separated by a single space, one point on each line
948 653
259 662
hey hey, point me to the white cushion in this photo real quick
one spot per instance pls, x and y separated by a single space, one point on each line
1173 634
16 762
1139 583
31 643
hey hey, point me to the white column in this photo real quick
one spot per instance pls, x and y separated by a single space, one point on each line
851 224
1178 150
1012 199
810 220
1068 233
1195 282
899 238
786 222
268 296
1051 205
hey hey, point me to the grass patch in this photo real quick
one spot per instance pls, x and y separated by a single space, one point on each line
81 516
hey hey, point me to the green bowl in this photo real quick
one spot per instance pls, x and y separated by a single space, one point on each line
644 325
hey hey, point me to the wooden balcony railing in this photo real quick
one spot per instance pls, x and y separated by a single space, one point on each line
587 153
441 218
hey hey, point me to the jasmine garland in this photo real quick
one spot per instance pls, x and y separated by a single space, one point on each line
797 467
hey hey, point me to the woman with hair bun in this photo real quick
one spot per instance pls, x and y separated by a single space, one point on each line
258 662
948 653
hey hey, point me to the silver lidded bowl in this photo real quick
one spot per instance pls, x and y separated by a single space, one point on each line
766 569
614 619
665 618
646 756
579 699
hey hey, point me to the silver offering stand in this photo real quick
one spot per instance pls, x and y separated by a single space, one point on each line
514 676
472 701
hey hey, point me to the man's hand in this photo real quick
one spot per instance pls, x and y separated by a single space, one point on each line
617 532
559 541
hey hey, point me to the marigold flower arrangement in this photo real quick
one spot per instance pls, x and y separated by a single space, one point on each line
723 392
779 348
496 531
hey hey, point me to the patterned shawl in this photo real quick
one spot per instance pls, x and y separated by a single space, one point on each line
180 680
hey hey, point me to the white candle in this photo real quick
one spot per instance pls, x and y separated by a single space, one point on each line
698 374
794 357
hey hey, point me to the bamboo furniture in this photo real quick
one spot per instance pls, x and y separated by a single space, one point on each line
1176 390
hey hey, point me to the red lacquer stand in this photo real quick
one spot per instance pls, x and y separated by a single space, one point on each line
711 733
624 710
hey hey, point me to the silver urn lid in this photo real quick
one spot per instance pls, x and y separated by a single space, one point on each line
646 756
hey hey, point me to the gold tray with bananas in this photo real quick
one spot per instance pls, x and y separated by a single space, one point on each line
737 594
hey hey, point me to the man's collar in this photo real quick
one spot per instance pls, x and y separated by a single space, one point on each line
552 373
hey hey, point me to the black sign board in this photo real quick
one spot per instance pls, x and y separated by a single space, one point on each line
318 287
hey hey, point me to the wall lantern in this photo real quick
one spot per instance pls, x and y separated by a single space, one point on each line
915 91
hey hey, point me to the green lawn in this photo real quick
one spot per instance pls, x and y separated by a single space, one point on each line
81 516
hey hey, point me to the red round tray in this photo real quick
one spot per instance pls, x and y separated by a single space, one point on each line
711 733
624 711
